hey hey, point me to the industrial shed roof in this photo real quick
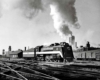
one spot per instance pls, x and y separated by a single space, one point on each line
97 50
15 52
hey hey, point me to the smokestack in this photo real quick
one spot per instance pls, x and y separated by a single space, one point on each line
3 51
72 40
25 48
9 48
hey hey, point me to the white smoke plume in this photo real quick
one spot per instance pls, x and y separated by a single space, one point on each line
62 11
64 16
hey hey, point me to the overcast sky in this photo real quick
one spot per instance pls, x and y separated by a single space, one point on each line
19 31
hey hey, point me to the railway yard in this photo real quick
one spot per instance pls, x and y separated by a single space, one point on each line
32 70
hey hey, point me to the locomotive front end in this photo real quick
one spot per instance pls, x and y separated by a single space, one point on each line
67 52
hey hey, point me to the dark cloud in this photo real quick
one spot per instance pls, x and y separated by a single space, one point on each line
30 8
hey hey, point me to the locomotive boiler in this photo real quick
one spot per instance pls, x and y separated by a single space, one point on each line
55 52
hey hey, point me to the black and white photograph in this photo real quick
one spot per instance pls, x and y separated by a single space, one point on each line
49 39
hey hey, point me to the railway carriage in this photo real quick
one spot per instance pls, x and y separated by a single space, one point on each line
87 55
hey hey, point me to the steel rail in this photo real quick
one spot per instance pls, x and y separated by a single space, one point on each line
22 77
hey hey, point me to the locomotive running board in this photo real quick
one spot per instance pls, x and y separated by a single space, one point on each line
51 52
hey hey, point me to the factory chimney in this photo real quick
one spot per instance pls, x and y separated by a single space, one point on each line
88 45
3 51
72 40
9 48
25 48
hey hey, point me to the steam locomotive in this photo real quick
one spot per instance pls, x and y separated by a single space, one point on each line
55 52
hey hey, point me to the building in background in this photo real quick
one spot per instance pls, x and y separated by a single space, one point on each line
14 54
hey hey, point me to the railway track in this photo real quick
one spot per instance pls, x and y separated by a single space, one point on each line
46 72
23 73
